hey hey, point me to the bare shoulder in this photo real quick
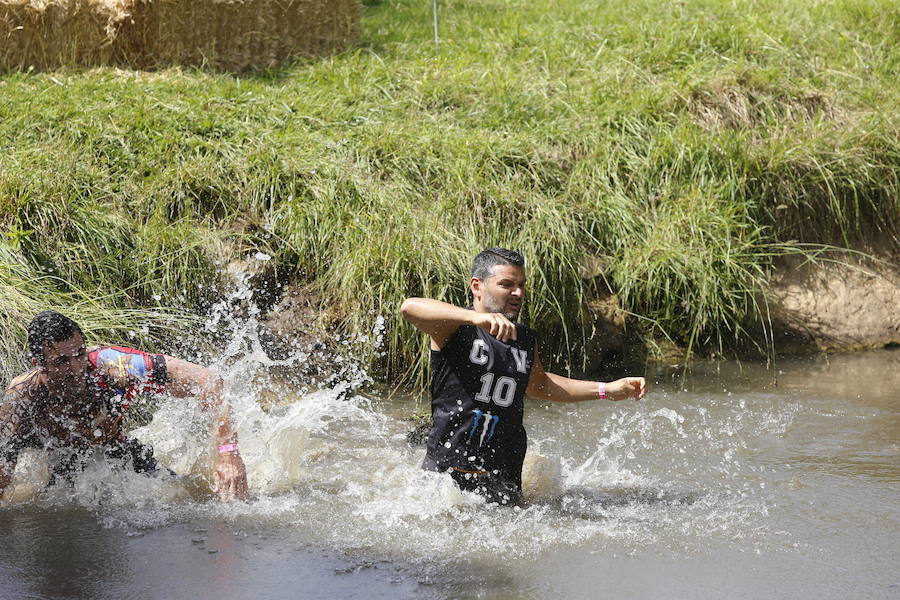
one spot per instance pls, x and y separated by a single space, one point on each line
25 382
21 391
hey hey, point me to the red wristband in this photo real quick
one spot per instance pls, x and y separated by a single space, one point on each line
228 448
601 391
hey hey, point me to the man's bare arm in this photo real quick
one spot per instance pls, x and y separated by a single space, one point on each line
440 320
189 379
556 388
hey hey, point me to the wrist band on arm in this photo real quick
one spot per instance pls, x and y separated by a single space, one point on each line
601 391
228 448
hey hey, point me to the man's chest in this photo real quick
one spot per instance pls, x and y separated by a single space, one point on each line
479 352
493 372
74 423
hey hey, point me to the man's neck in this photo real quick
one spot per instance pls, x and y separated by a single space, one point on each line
66 397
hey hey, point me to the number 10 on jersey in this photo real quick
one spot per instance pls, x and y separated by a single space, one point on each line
502 393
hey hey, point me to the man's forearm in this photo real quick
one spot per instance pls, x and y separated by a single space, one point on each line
219 413
557 388
441 320
223 428
211 399
431 316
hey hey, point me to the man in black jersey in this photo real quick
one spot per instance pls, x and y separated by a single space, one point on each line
483 365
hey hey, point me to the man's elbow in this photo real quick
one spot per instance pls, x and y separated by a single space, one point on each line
408 308
191 379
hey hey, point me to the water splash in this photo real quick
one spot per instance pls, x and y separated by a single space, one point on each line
332 466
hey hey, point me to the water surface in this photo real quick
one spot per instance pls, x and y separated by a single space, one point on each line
739 481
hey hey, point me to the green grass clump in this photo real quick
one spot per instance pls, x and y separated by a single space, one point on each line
682 146
24 292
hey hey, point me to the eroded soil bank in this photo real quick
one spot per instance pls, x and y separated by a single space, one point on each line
850 304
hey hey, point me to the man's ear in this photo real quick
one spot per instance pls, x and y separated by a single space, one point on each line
34 361
475 285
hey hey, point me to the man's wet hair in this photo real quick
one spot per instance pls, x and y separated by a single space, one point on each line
490 258
49 326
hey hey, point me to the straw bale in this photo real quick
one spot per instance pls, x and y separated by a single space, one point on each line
234 34
226 34
46 33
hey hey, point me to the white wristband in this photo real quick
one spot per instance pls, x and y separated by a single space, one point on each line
601 390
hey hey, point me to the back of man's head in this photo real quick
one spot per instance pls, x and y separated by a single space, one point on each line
49 326
490 258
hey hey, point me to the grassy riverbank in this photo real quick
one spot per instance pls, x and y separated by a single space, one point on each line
676 147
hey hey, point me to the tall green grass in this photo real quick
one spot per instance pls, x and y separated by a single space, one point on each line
682 146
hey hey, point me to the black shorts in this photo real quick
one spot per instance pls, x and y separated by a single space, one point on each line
141 455
494 488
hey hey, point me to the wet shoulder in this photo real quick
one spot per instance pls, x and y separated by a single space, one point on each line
26 384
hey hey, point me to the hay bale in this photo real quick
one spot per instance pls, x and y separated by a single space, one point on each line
234 34
225 34
44 34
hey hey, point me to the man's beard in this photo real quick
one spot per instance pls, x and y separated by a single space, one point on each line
494 306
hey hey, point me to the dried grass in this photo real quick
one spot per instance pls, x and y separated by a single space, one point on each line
734 107
147 34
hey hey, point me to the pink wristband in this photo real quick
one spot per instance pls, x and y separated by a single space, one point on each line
228 448
601 390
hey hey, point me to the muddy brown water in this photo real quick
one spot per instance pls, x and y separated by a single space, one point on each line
739 481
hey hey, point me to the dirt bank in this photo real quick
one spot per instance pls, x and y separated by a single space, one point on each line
845 303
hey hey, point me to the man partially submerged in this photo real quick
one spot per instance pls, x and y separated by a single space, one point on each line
74 399
484 363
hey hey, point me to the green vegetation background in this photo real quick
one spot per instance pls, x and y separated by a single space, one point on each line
676 147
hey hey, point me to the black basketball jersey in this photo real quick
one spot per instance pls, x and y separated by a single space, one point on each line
477 402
